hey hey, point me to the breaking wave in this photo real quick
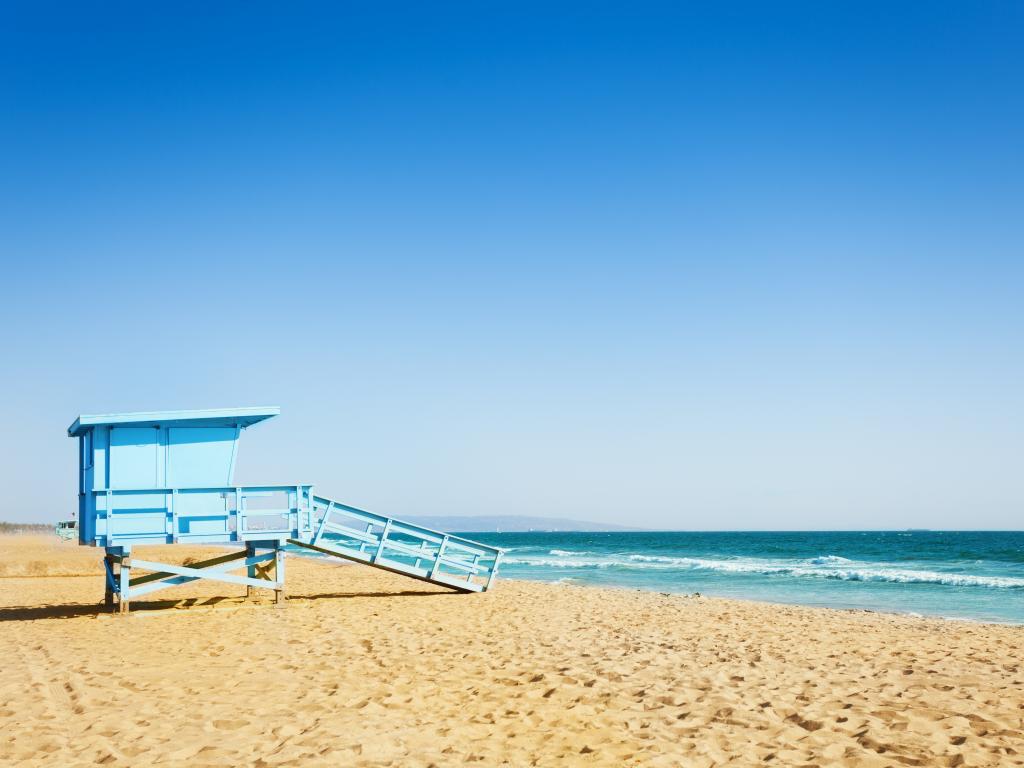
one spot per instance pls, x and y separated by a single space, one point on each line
566 552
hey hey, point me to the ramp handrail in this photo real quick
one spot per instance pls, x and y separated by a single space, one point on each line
400 525
403 547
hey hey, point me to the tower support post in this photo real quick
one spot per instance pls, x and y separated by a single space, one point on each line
250 570
279 558
109 585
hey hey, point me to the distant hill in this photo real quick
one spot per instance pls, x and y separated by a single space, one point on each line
510 524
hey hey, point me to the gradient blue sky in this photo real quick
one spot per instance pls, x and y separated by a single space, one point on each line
715 265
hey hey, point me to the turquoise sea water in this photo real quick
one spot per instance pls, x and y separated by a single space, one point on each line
970 575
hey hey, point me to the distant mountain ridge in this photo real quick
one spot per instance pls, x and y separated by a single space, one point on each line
510 524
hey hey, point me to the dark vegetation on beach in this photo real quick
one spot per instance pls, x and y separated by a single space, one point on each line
8 528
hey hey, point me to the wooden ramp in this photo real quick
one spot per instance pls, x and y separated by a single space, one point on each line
400 547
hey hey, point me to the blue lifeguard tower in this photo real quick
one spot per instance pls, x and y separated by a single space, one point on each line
168 478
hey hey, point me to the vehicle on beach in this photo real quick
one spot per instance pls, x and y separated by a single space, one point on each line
66 530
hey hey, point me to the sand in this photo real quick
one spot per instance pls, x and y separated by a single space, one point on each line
363 668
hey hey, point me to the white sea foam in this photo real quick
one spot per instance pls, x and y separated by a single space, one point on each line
562 562
924 577
841 569
566 552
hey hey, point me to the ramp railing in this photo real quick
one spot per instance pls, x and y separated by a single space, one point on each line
401 547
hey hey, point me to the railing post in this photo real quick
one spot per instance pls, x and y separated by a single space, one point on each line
493 573
293 509
174 516
423 546
437 558
239 516
323 520
383 540
309 508
110 518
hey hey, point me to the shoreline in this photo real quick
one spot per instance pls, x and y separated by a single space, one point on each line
86 565
613 588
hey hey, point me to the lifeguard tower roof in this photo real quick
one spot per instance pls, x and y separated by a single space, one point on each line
242 417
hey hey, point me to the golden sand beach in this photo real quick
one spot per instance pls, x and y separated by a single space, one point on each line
362 668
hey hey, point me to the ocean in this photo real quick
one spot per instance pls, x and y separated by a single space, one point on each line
954 574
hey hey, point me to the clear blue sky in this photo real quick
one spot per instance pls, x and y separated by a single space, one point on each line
692 265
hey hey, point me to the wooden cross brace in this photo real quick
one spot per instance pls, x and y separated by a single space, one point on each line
214 569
